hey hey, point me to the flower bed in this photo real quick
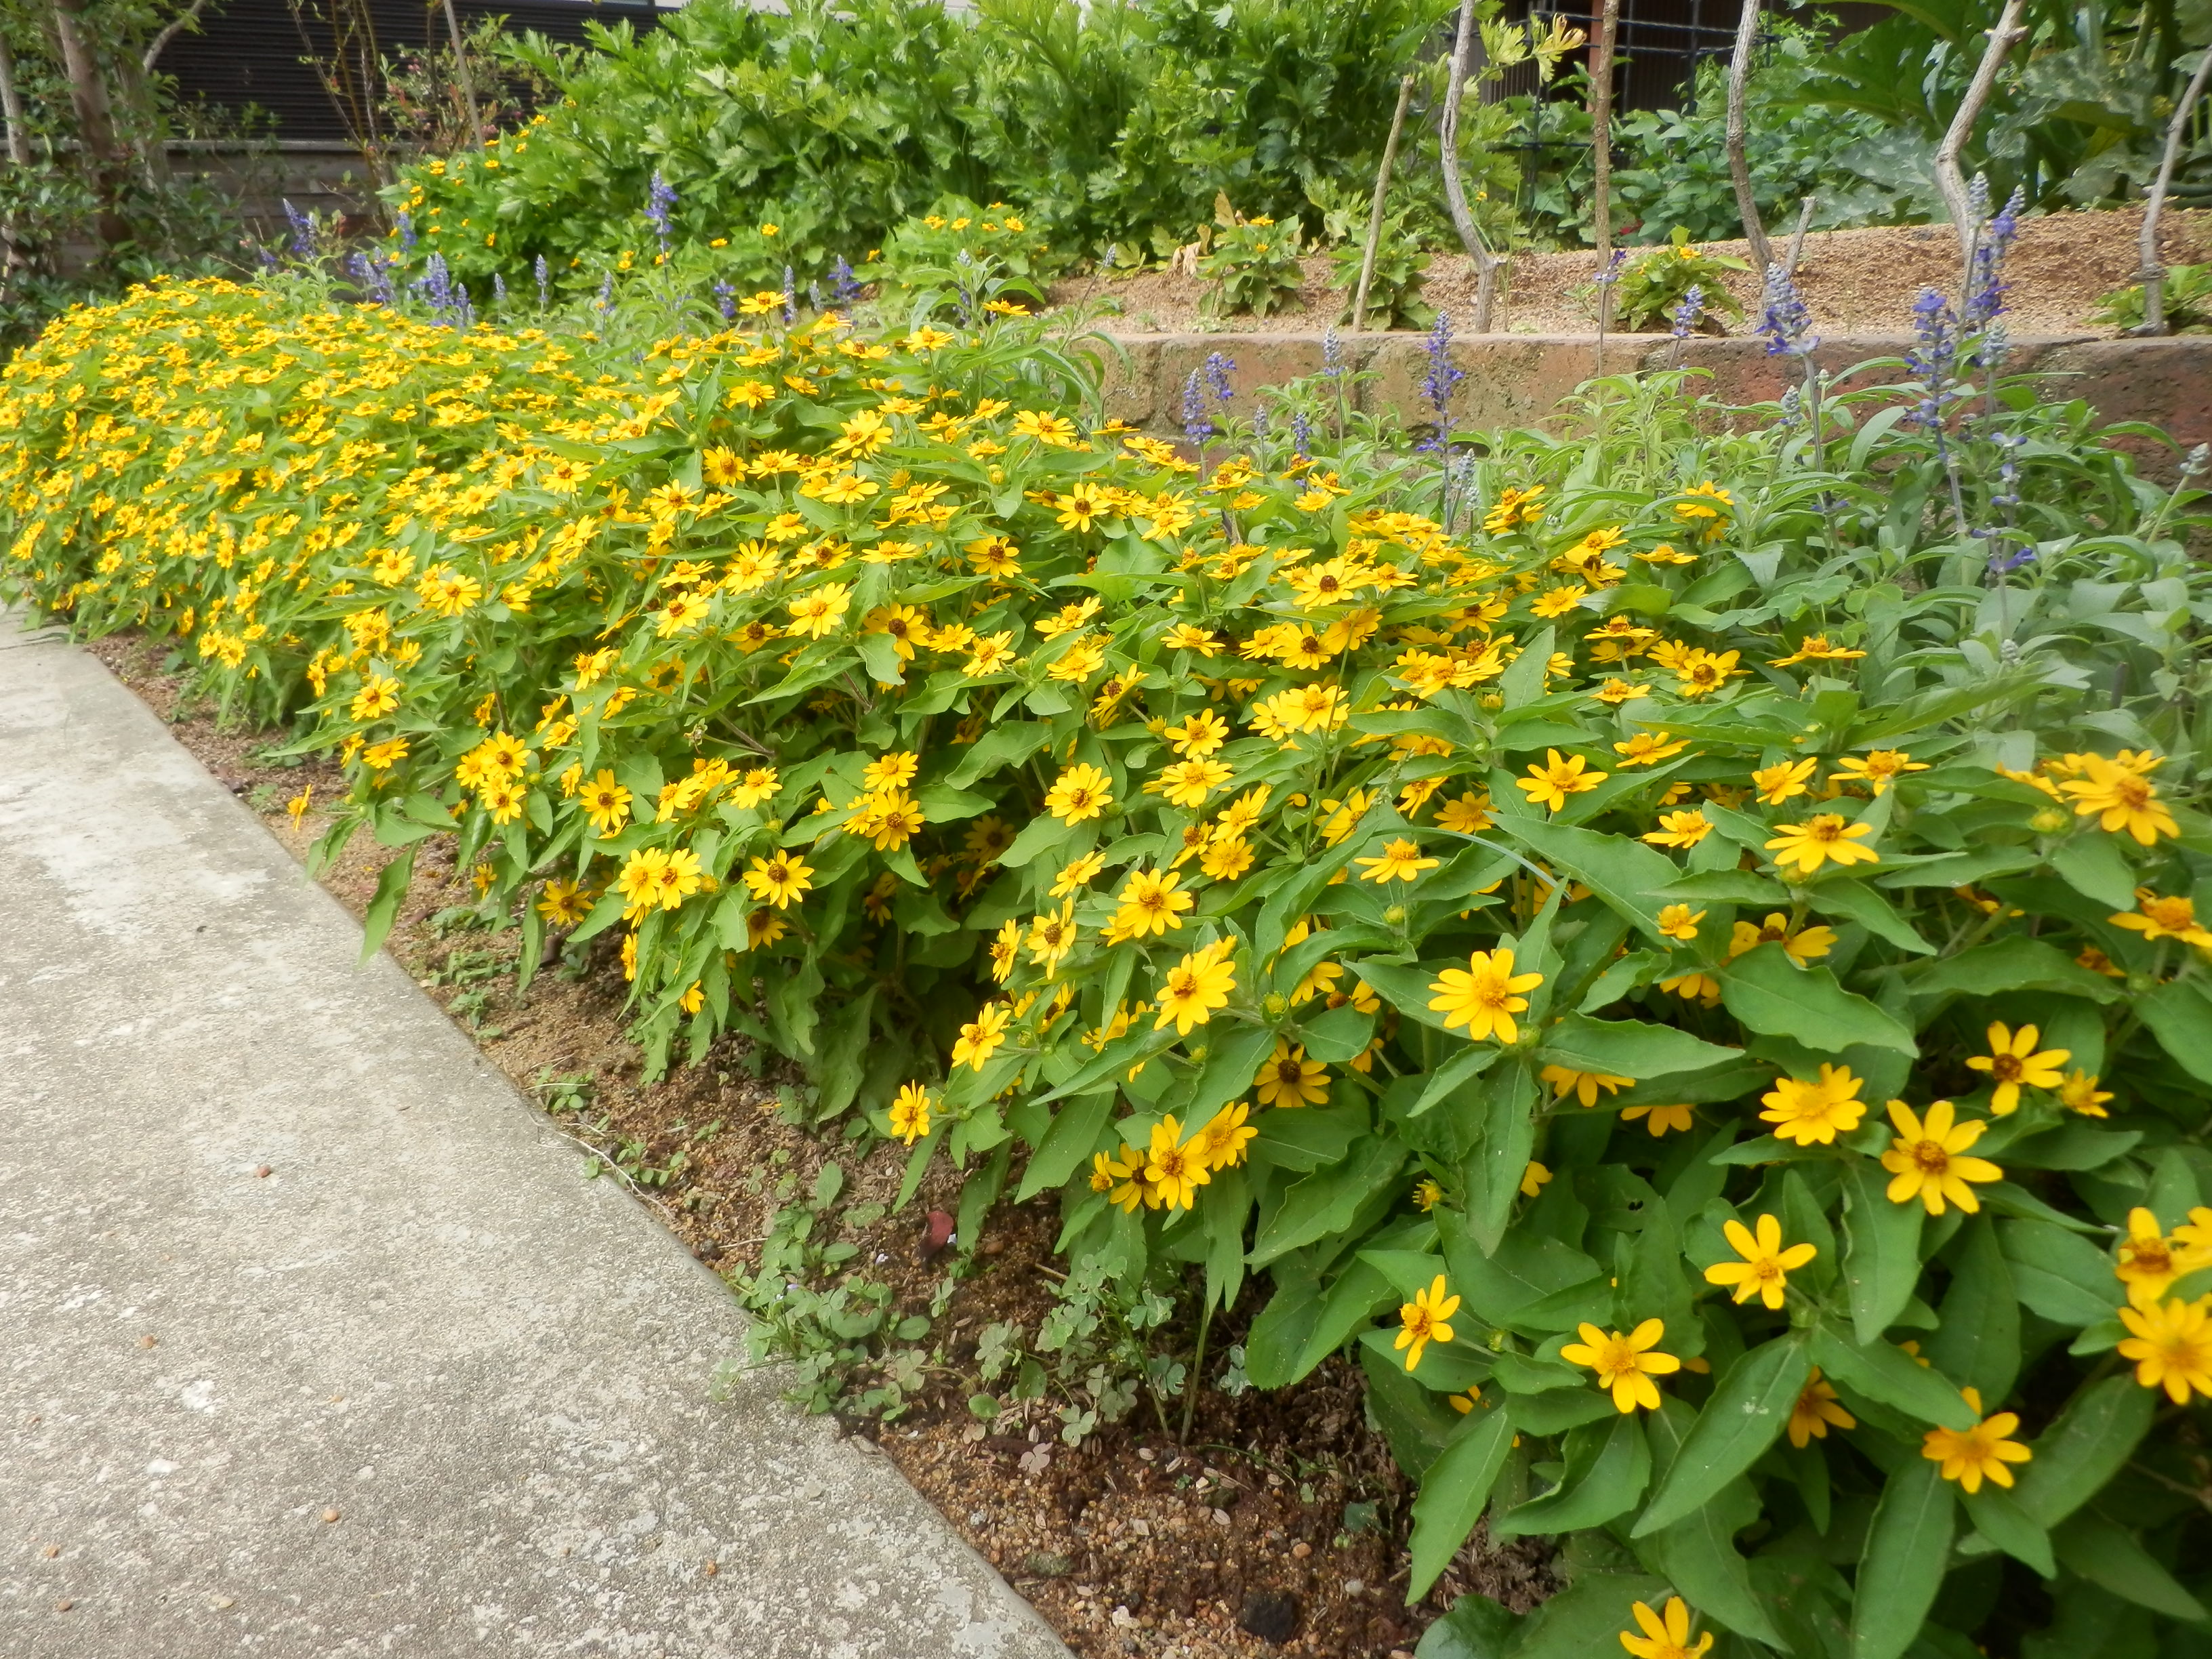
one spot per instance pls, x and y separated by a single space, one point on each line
1474 908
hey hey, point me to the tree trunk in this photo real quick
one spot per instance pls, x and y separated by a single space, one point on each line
1948 174
1600 113
2154 268
95 118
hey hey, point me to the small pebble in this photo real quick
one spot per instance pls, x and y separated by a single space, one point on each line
150 1341
710 1568
1300 1550
64 1606
263 1170
330 1515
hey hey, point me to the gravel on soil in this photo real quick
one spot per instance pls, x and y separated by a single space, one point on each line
2059 270
1277 1526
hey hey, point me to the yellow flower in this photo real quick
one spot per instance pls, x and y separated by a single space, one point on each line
1400 860
2171 1346
1005 947
1188 782
1077 874
296 808
1467 815
1484 996
1287 1078
2122 799
1052 936
779 880
639 882
1152 901
815 616
2079 1092
1814 647
2149 1261
1878 769
1659 1119
1766 1266
1195 987
1806 945
1427 1195
910 1113
1970 1457
1222 1142
1625 1364
1678 921
1826 837
2013 1064
1811 1114
1423 1321
378 696
1783 779
1199 736
980 1037
1926 1160
1080 793
1683 829
1815 1408
1549 785
1584 1085
1667 1638
1175 1169
1648 748
2155 919
1534 1179
563 903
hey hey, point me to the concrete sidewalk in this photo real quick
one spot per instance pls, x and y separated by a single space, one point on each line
419 1390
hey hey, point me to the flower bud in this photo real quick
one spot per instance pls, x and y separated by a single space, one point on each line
1395 915
2049 821
1275 1005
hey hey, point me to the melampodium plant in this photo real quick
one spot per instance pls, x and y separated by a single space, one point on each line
1684 961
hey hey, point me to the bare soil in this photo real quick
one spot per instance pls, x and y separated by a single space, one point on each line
2059 270
1140 1542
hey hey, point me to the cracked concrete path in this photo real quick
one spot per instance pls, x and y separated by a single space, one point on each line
419 1390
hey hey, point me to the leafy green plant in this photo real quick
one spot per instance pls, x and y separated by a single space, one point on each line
1252 265
2188 302
1394 291
1471 909
1652 286
957 245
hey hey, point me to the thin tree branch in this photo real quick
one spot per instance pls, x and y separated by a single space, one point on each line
1747 203
1947 175
187 19
1470 235
1601 113
2153 269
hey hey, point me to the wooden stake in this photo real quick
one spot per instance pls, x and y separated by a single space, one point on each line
1374 212
461 73
1797 237
1600 112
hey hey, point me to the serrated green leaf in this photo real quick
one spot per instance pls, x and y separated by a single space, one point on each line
1769 992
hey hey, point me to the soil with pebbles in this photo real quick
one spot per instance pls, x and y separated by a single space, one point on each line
1275 1525
2059 270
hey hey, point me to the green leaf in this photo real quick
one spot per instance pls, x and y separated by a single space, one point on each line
1627 1048
941 803
1494 1170
1854 901
2094 865
1747 1411
1455 1074
1042 834
1886 1374
1009 743
1882 1250
1338 1035
1407 989
1625 873
1326 1201
1745 887
1453 1495
1607 1468
1908 1546
1769 992
1068 1144
384 908
1697 1553
1998 1516
2180 1015
2089 1443
2059 1275
1585 1619
2011 964
1476 1627
2108 1556
1977 1345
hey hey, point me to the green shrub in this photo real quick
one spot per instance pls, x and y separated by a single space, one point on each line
1394 291
2188 301
1473 911
1652 286
1252 265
